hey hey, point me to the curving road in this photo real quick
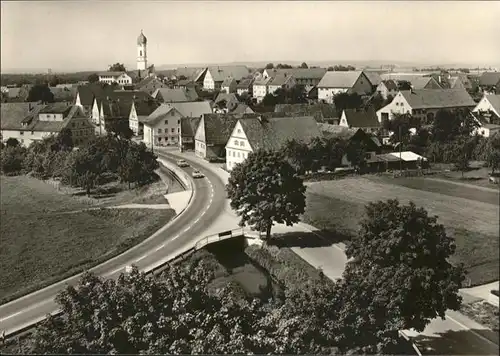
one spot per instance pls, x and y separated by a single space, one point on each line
207 204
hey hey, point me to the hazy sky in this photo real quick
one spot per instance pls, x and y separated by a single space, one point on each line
81 35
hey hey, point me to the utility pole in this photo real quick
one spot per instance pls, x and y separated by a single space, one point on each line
400 160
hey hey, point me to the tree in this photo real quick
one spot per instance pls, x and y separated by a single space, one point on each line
330 69
399 272
356 154
269 66
11 159
12 142
377 102
303 65
347 101
461 152
264 189
117 67
284 66
298 155
404 85
40 92
55 80
93 78
65 139
493 152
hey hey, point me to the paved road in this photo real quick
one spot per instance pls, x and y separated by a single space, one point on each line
207 204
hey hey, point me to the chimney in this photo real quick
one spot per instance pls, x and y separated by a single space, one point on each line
29 107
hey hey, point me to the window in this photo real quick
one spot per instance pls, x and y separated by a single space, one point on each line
242 143
238 155
140 53
173 130
159 130
178 129
234 154
166 122
32 132
172 113
178 122
21 132
236 142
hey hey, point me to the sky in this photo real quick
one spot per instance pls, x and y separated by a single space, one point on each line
90 35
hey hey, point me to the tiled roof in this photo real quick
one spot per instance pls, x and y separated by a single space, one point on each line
228 81
390 84
56 108
168 95
193 109
12 114
280 79
494 101
158 113
422 82
401 76
220 73
113 74
189 72
228 97
330 130
189 126
245 84
489 78
145 107
319 110
361 118
300 73
118 103
339 79
273 133
218 128
90 91
438 98
262 81
373 77
456 83
242 109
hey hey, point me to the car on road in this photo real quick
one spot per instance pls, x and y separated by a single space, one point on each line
182 163
197 174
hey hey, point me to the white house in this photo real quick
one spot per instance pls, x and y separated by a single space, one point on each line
250 134
281 81
334 83
425 103
163 126
244 86
215 75
359 119
121 78
302 76
228 85
260 88
212 134
386 88
489 104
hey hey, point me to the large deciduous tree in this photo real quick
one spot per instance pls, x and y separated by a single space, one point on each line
117 67
40 92
265 189
93 78
347 101
493 152
400 272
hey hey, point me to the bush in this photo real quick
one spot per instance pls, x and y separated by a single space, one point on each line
11 160
494 292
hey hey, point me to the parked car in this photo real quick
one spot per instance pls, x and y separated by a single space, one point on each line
182 163
197 174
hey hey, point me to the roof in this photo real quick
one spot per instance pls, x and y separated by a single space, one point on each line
336 131
142 39
159 112
438 98
56 108
145 107
300 73
422 82
118 103
319 110
373 77
13 92
489 78
218 128
228 97
220 73
63 93
12 114
494 100
88 92
361 118
114 74
228 81
280 79
407 156
245 83
339 79
390 84
456 83
262 81
403 76
189 126
273 133
193 109
191 73
169 95
242 109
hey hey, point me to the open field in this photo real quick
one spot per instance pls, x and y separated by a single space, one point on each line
41 243
337 206
476 175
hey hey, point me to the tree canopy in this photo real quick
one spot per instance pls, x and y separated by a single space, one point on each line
493 152
93 78
269 66
40 92
265 189
347 101
117 67
304 65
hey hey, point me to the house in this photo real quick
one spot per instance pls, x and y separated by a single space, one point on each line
29 122
139 112
121 78
195 74
251 134
374 79
162 127
86 94
225 102
260 88
334 83
312 93
212 134
185 84
215 75
386 88
302 76
425 103
150 85
489 108
19 94
490 82
187 132
425 83
281 81
167 95
365 120
228 85
193 109
241 109
459 81
320 111
244 86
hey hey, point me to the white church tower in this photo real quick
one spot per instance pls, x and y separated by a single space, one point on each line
142 57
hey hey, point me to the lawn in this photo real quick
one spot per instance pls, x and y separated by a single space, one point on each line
45 237
337 207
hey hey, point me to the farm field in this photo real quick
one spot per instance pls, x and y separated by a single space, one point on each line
338 206
41 242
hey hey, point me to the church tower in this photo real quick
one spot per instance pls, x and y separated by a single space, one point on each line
142 58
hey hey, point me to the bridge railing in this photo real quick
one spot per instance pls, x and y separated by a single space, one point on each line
225 235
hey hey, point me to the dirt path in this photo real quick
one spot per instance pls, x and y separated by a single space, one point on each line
486 189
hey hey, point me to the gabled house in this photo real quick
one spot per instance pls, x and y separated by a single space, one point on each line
215 75
29 122
489 108
334 83
244 86
490 82
365 120
187 132
121 78
162 127
194 74
228 85
212 134
150 85
281 81
185 84
425 83
225 102
386 88
425 103
459 81
374 79
139 112
251 134
302 76
167 95
260 88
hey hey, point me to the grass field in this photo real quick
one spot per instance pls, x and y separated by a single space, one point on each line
41 242
338 206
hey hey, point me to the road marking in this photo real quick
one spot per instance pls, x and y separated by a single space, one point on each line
36 305
197 219
160 247
113 271
141 258
474 332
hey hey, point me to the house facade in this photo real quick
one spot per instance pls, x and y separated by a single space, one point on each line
237 148
302 76
215 75
334 83
187 133
365 120
488 105
162 127
212 134
281 81
244 86
228 85
121 78
386 88
260 89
